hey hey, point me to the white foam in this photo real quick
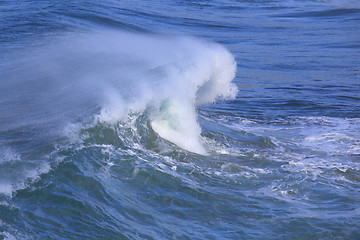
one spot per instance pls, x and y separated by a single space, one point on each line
8 155
6 189
332 135
8 236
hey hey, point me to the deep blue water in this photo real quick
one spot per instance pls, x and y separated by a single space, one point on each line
180 119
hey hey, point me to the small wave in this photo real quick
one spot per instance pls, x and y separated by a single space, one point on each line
16 174
340 12
315 3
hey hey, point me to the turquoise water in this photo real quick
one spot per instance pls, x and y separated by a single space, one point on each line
180 119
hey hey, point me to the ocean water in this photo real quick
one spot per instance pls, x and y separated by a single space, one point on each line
165 119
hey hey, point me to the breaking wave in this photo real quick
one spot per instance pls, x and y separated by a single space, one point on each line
63 87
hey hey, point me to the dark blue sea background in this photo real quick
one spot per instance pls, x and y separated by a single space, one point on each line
209 119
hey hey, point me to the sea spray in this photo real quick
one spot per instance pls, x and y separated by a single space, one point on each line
170 75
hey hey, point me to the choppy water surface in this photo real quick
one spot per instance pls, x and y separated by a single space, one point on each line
180 119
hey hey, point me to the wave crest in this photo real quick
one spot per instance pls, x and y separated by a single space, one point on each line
172 75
